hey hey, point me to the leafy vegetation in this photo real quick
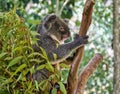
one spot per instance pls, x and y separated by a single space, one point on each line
15 61
17 58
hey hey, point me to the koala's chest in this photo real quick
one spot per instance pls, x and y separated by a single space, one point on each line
47 43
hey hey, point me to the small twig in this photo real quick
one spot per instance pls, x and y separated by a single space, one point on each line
65 3
57 8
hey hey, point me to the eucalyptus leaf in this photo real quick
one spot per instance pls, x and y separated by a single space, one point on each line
3 54
14 61
19 69
54 91
62 88
41 67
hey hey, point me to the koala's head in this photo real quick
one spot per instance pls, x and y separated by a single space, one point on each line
56 26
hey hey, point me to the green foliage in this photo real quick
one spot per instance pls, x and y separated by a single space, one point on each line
15 61
17 58
62 88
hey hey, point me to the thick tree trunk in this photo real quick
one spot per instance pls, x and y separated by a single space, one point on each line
116 45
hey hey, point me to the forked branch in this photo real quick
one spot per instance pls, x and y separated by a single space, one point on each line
86 21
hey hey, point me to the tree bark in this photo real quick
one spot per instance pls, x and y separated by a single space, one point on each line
77 85
86 21
87 72
116 45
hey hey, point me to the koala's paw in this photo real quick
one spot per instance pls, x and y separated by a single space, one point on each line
84 40
76 36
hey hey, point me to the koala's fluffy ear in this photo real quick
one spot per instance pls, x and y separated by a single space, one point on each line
51 17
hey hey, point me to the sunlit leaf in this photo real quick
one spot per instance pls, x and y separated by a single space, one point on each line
41 67
34 54
43 84
34 21
49 67
32 70
30 85
14 61
36 85
36 60
2 54
20 68
62 88
44 53
64 65
54 91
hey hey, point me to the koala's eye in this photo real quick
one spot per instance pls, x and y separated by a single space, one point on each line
61 28
46 25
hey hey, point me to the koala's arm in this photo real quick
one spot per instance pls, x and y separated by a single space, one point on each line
63 51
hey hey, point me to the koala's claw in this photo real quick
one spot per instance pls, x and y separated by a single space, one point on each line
86 37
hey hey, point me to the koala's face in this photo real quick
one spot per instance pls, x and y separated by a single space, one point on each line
56 26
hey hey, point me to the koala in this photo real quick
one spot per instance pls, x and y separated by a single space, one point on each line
52 31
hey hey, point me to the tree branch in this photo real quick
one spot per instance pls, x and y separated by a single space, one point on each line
65 3
86 21
87 72
57 8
